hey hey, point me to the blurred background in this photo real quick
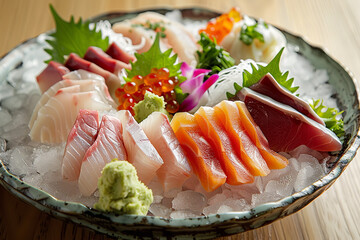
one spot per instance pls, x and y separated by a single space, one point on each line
331 24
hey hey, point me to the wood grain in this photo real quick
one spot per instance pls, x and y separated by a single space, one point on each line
331 24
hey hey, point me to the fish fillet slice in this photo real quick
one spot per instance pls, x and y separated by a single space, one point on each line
107 146
81 137
176 169
250 155
201 155
141 153
230 161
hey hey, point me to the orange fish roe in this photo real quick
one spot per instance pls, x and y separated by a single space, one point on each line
222 25
158 81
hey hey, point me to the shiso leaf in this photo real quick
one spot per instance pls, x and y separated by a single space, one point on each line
258 71
72 37
331 117
154 58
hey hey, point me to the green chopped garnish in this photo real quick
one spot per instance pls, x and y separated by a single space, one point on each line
154 58
72 37
331 117
213 56
157 27
258 72
249 33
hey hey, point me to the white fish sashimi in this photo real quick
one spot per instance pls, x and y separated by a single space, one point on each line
56 118
107 146
176 169
85 85
81 137
141 153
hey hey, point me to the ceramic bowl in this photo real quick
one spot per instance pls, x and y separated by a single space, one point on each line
148 227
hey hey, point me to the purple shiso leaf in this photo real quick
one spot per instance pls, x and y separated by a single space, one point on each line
192 100
191 84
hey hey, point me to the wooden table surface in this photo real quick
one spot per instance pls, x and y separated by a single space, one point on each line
331 24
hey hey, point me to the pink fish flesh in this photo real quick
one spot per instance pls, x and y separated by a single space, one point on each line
107 146
50 75
81 137
176 169
141 153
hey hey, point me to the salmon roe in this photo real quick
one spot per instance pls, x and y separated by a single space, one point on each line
158 81
222 25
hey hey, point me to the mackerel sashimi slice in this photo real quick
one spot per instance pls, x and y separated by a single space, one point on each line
285 128
81 137
176 169
141 153
107 146
270 87
250 155
200 153
226 151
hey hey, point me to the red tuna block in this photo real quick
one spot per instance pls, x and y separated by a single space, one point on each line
117 53
50 75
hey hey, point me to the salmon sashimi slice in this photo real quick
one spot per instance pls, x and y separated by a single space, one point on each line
200 153
250 155
272 158
230 161
176 169
141 153
81 137
107 146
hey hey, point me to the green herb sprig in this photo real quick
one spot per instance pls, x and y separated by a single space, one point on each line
249 33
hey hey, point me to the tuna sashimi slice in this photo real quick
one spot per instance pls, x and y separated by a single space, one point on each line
226 151
200 153
99 57
228 115
107 146
285 128
141 153
270 87
50 75
117 53
176 169
272 158
81 137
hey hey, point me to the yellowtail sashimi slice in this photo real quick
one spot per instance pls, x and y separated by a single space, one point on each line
141 153
176 169
85 85
200 153
107 146
230 160
56 118
81 137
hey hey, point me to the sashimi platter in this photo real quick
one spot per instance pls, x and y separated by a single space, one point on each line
173 123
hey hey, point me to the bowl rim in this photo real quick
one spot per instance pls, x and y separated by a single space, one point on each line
69 210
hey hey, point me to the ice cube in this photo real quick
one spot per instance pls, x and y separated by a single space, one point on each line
167 202
224 209
302 149
157 198
160 210
220 197
5 117
47 159
14 102
6 91
172 193
21 161
306 176
183 214
233 205
2 145
17 134
190 200
264 197
156 186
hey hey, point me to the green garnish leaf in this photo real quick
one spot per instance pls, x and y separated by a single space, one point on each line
72 37
213 56
331 117
154 58
259 71
249 33
156 27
